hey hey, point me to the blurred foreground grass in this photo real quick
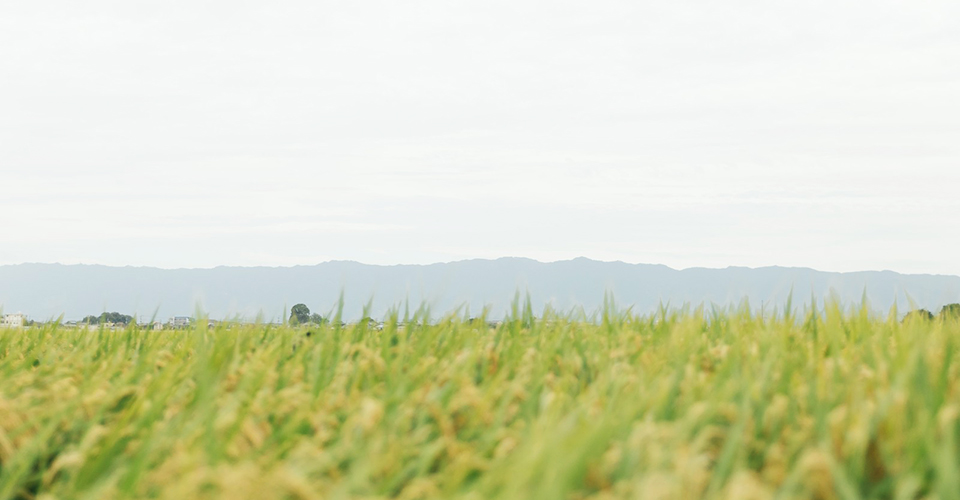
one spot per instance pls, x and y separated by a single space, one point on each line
682 404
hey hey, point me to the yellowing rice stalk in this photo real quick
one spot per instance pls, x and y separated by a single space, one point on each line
676 405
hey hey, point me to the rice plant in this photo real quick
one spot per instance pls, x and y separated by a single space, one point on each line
683 403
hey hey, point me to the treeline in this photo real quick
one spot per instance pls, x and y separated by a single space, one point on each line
947 311
108 317
300 315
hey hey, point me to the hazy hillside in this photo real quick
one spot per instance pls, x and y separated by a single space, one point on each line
47 290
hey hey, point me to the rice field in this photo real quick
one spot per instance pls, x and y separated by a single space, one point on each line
680 404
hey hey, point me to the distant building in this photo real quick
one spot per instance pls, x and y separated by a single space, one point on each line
181 321
14 320
157 325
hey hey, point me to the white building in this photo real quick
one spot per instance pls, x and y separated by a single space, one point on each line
180 321
14 321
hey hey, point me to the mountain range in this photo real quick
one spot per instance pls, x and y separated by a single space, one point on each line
44 291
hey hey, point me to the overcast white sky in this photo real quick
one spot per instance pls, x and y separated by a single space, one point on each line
823 134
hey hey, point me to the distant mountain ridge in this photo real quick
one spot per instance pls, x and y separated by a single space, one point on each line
45 291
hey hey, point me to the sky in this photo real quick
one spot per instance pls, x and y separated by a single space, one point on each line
692 134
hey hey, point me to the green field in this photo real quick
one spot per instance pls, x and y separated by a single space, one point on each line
679 404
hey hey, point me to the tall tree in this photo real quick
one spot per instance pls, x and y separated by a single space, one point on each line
299 314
